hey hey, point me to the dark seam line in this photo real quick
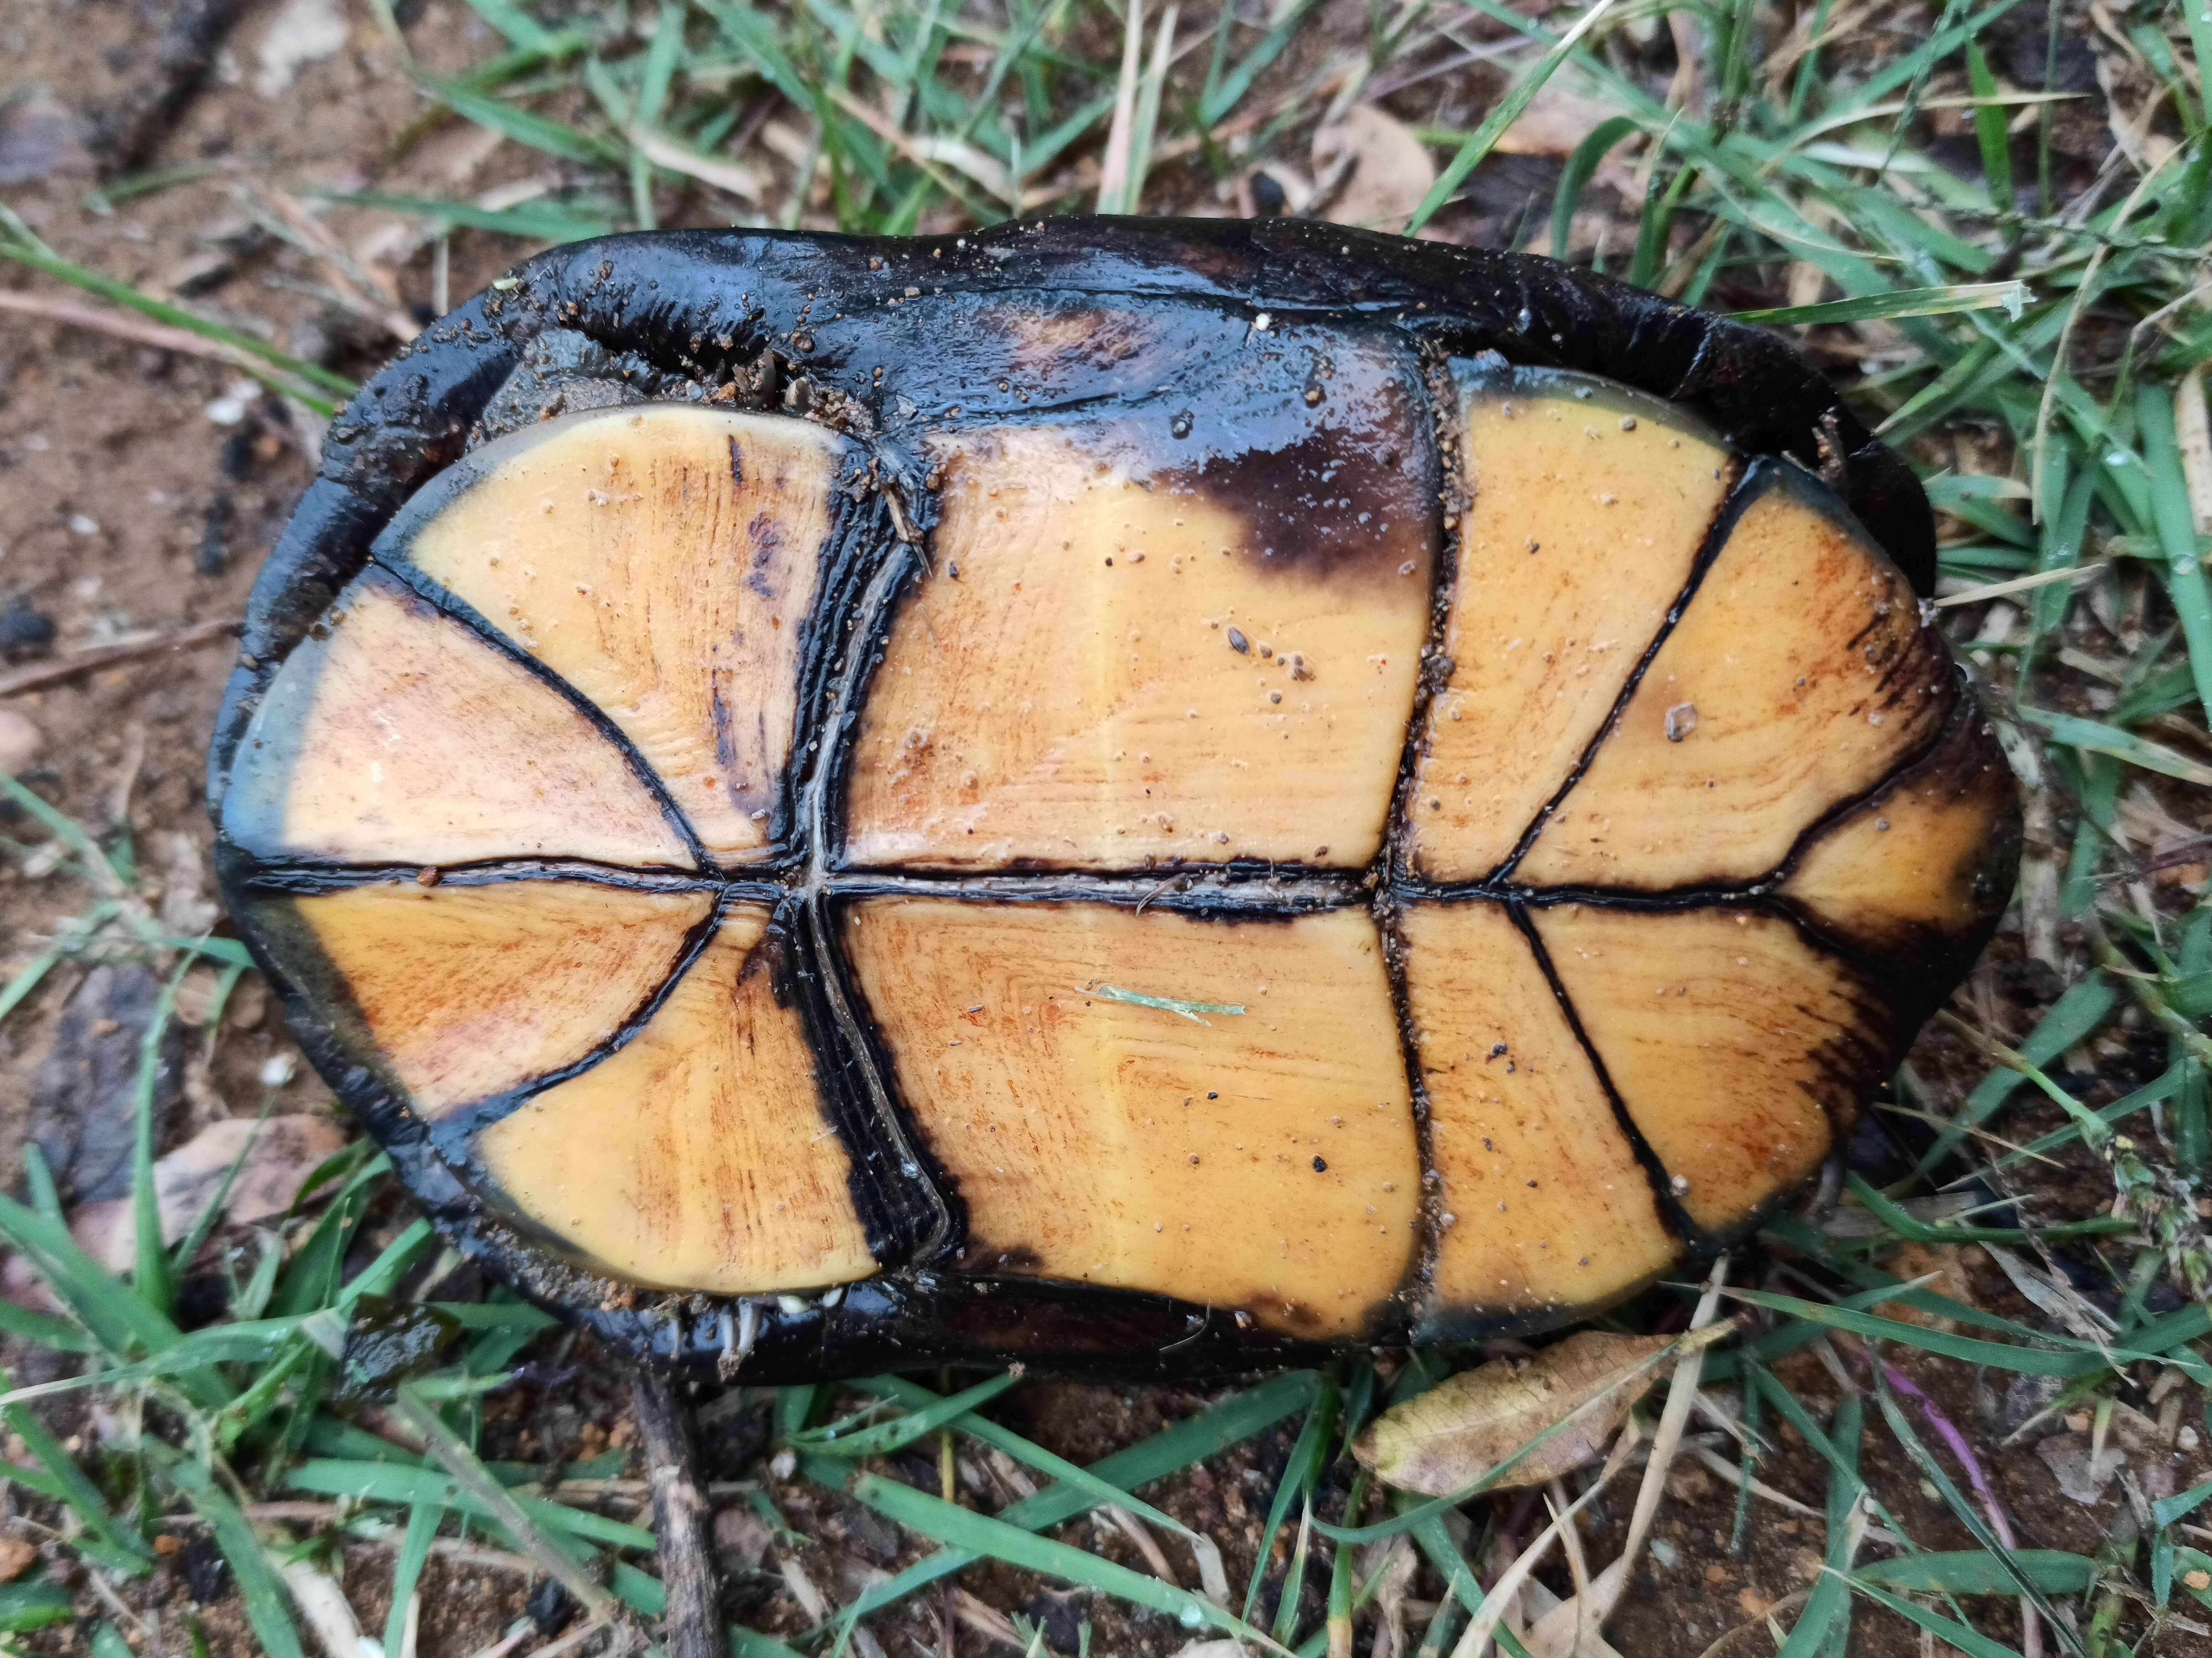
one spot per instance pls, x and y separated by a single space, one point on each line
814 775
449 604
454 1129
1709 550
1432 374
306 878
1873 972
867 1092
1420 1272
1665 898
867 643
898 1220
1849 803
936 1228
1671 1213
929 1222
1256 899
1697 895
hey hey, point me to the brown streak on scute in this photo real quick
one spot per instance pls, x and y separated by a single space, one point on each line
772 956
1315 486
1043 341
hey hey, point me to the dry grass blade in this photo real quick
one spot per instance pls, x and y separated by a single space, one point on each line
461 1463
1148 1546
2192 430
733 177
1476 1641
1727 1471
1554 1634
1113 170
36 676
324 1608
123 326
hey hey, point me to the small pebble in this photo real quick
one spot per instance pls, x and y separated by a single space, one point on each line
23 627
230 407
21 741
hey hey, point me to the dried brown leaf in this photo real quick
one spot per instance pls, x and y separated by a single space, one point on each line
284 1153
1450 1436
1388 169
1556 120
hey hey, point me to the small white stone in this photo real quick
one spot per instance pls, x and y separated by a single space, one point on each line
230 407
82 526
277 1069
21 741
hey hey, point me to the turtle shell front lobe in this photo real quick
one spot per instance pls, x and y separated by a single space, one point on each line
972 805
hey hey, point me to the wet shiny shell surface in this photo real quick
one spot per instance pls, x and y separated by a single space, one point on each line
1144 795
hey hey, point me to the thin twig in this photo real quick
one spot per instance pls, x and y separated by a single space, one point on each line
159 336
40 675
1557 1627
680 1517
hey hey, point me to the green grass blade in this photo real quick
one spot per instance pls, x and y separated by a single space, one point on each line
267 1605
1944 301
1211 1431
211 1210
1484 138
2076 1359
1968 1515
27 979
2173 515
532 131
1581 168
519 28
1990 129
1971 1643
1223 95
1294 1574
2101 739
119 1321
1977 1571
150 1278
120 293
1825 1623
1299 1470
39 1181
461 1462
884 1438
44 1329
74 1486
407 1572
27 1606
1025 1452
531 221
996 1540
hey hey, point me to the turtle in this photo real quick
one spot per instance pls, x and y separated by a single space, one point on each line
1148 796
